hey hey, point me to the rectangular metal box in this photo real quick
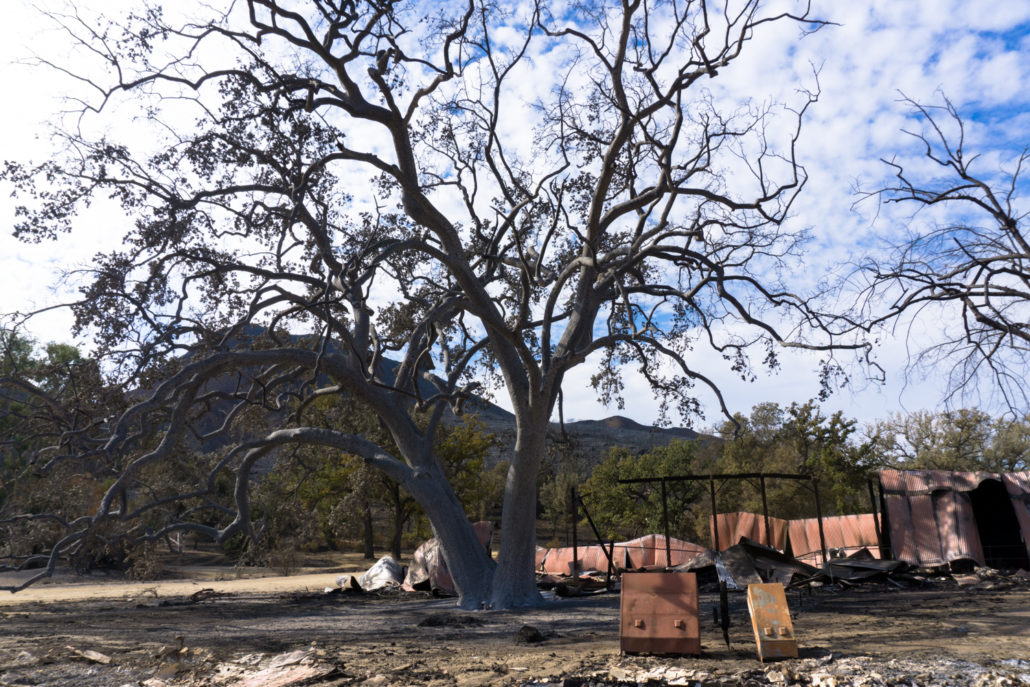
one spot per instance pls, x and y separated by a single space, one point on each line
770 618
658 614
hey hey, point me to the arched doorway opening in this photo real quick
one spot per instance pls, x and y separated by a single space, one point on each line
999 529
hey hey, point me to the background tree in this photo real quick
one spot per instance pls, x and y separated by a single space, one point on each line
964 267
641 219
52 400
964 439
627 511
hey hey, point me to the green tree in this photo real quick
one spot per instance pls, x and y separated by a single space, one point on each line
1009 450
963 439
346 496
825 448
799 439
631 510
52 409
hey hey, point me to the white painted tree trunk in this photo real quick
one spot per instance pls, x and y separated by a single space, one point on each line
470 566
514 581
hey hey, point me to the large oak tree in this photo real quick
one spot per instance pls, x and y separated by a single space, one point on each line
489 193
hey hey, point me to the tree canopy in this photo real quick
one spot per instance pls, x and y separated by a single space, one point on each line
962 263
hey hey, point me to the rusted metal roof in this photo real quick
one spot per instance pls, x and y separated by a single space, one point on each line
931 513
734 526
644 552
559 561
649 550
847 532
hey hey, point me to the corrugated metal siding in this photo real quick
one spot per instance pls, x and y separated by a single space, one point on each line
848 532
644 552
900 517
927 530
931 514
649 550
969 544
733 526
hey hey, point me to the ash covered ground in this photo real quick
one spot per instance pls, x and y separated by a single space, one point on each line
940 634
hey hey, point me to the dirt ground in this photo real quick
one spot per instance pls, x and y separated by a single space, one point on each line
243 631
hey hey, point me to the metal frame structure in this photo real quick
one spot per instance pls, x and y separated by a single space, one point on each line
761 477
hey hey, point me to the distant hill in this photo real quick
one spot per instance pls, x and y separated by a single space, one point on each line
590 438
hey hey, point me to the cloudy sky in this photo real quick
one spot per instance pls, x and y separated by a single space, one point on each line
977 53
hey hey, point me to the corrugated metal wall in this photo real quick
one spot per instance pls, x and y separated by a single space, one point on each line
931 514
733 526
848 532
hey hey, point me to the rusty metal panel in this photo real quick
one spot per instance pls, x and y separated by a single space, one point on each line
592 558
969 533
658 614
649 542
928 481
559 561
804 546
638 553
733 526
944 513
1017 483
770 619
649 551
893 481
847 532
931 516
900 517
918 481
681 550
957 526
926 530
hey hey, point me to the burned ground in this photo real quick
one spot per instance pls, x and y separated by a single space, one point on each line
937 634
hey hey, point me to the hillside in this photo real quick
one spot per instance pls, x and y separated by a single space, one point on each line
590 438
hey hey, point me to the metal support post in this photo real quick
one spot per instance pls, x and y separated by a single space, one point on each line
765 512
876 516
715 514
665 525
575 544
819 515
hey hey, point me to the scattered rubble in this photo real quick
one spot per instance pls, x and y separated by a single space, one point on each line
528 634
828 671
749 562
450 620
90 655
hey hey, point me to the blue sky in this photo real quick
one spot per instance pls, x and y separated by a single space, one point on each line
977 53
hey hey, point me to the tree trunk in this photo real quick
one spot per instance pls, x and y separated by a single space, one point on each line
470 566
398 522
370 552
514 583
